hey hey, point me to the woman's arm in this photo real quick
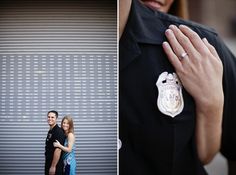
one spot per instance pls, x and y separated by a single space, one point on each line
124 9
71 141
201 73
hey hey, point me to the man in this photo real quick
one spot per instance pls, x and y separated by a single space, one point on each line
53 158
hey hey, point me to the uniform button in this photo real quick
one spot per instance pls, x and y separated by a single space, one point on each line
119 144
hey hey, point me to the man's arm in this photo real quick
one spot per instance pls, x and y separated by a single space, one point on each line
124 9
57 152
56 157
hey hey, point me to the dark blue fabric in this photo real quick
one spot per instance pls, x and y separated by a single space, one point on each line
153 143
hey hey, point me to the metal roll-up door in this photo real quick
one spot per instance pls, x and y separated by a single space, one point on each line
58 55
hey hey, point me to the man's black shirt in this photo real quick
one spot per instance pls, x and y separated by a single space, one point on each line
56 133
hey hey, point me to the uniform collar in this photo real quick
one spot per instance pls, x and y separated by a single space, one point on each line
148 26
143 26
53 128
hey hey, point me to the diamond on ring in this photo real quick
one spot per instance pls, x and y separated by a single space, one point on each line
184 54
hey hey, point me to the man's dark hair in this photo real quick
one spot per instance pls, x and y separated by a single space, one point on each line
55 112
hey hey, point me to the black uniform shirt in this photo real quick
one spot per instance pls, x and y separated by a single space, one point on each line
56 133
153 143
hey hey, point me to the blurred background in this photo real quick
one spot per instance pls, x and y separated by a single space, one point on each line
220 15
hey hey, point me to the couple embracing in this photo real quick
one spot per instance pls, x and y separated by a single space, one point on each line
60 146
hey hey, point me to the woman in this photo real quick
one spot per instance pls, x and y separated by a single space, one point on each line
174 128
69 146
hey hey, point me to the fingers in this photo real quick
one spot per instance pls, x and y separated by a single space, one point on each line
201 70
177 48
183 39
194 39
180 39
211 48
171 55
185 48
56 143
173 50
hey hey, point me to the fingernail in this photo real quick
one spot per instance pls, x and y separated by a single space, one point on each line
165 43
181 25
172 26
168 31
205 40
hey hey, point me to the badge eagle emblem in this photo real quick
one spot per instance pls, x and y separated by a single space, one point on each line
170 98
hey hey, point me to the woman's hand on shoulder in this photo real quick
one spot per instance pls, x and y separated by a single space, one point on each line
197 64
56 144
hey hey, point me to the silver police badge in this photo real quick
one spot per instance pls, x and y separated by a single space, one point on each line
170 98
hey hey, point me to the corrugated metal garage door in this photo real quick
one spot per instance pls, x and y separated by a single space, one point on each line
59 55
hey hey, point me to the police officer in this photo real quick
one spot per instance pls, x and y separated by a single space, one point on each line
171 93
53 156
